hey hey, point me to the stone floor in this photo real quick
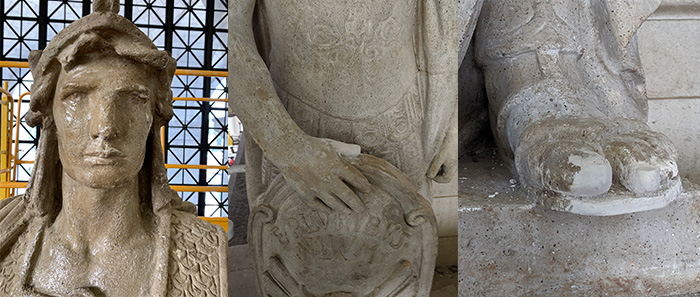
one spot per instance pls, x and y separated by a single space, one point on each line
241 282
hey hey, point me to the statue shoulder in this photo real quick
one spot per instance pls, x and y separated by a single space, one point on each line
9 204
198 257
13 218
12 242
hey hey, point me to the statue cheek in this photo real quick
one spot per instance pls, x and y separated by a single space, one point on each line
71 118
143 125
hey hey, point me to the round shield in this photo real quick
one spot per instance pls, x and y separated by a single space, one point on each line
387 250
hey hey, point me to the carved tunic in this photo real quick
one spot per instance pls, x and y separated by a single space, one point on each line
353 60
352 77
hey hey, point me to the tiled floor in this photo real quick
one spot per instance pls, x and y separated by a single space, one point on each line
241 281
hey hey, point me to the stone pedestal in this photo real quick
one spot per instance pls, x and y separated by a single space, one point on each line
511 247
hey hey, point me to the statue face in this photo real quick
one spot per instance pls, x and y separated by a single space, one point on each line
103 112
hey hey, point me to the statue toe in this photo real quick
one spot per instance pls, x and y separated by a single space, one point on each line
568 167
642 162
575 170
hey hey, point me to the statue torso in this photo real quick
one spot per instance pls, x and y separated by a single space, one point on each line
116 269
349 59
189 261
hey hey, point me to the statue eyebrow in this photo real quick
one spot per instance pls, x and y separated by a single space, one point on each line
140 89
70 88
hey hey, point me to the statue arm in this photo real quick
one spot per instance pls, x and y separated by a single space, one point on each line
311 165
444 164
440 49
253 96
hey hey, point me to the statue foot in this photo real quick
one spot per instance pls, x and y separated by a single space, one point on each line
597 166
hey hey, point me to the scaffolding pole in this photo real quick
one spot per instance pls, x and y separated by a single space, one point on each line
5 118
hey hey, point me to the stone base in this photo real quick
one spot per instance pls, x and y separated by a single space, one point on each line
510 247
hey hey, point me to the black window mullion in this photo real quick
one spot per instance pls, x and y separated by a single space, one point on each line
128 9
2 34
169 7
87 7
209 36
2 30
43 23
169 26
204 144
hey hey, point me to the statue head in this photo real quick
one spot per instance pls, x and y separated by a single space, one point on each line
101 92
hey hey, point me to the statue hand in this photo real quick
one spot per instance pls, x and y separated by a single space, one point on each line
323 178
444 165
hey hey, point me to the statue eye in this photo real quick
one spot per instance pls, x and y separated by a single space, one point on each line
73 96
132 96
139 97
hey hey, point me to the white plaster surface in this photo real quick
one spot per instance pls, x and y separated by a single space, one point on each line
594 177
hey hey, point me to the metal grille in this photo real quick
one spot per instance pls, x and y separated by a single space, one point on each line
194 31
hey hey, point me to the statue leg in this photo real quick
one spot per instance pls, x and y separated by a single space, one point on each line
569 109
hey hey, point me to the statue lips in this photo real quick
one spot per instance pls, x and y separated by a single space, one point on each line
102 156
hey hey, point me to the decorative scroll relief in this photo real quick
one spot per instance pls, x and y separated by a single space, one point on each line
353 36
387 250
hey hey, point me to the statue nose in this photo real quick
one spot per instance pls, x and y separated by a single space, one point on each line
103 122
104 132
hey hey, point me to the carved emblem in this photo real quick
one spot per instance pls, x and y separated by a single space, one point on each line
387 250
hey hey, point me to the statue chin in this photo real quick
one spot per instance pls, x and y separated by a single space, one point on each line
101 177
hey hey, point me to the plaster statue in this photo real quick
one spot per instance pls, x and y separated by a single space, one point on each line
98 217
568 105
350 106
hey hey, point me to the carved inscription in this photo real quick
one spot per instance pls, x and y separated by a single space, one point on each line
352 237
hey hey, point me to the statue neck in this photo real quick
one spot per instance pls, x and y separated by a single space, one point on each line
91 215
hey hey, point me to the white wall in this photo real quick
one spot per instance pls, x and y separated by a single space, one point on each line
669 45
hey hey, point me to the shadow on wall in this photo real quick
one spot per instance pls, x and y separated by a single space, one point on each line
475 134
238 209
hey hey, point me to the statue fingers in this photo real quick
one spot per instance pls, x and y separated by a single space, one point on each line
660 143
353 177
349 197
309 196
447 170
332 202
434 169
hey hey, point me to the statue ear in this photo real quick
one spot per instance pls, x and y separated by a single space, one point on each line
34 57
